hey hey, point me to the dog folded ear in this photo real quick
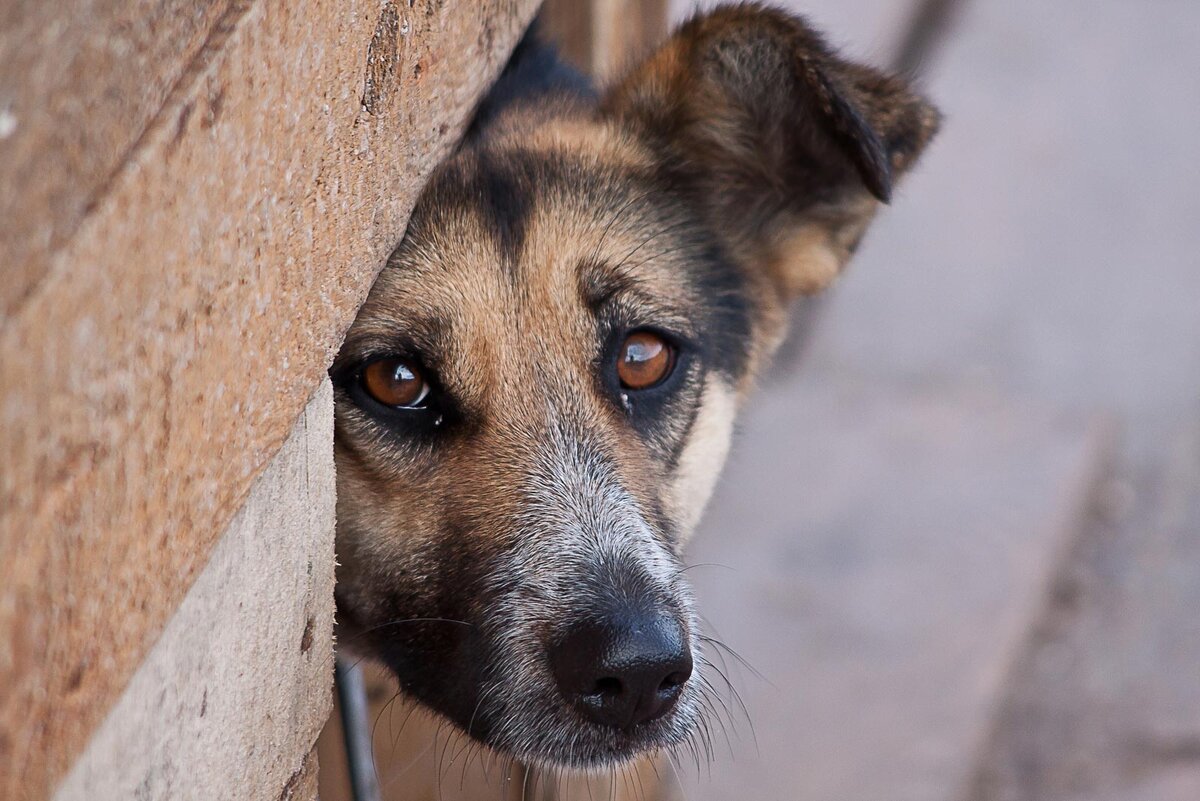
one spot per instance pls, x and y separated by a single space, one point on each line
787 148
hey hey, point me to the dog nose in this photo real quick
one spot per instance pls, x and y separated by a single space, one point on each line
623 674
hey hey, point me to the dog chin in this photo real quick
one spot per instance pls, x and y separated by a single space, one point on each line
586 748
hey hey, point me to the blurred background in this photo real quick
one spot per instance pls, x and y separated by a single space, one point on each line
959 536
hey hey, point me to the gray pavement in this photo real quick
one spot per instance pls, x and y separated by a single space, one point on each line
1105 703
1039 272
877 554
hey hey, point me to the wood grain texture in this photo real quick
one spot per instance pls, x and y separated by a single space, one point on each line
80 80
229 701
160 360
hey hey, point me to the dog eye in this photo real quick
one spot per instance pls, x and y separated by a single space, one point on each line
645 360
395 382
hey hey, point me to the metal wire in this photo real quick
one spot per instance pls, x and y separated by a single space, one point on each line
352 698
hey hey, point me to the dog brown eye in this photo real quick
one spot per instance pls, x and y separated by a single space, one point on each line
646 359
395 382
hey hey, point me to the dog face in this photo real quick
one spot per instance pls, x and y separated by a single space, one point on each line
538 394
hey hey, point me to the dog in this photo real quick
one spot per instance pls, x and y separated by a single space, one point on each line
536 398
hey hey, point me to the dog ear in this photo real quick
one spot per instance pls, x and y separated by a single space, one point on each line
787 148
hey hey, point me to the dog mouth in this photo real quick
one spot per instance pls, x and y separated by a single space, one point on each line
566 736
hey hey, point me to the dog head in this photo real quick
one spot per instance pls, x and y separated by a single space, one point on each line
538 394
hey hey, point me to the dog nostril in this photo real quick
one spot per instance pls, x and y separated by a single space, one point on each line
608 686
672 682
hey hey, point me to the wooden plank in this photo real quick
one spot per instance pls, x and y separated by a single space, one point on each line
601 37
229 701
1105 704
159 363
79 82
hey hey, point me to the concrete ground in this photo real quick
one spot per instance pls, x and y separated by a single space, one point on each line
960 534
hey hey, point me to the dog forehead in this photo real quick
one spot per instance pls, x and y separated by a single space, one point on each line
502 199
522 235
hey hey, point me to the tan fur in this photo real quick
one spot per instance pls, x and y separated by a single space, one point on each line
807 256
806 261
701 462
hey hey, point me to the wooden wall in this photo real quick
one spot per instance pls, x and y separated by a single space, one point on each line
195 196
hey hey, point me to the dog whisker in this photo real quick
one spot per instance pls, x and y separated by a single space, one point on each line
385 709
525 784
696 748
741 660
397 772
616 216
742 708
733 690
463 747
686 568
670 229
716 715
440 755
363 632
671 760
710 696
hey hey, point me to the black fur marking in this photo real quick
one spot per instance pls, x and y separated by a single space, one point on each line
721 285
534 71
438 648
506 202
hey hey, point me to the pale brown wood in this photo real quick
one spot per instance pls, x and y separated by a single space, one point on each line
79 83
159 360
229 701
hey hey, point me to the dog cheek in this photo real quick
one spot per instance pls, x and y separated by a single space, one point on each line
700 463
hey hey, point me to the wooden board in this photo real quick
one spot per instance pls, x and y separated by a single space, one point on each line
79 84
229 701
157 363
602 37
